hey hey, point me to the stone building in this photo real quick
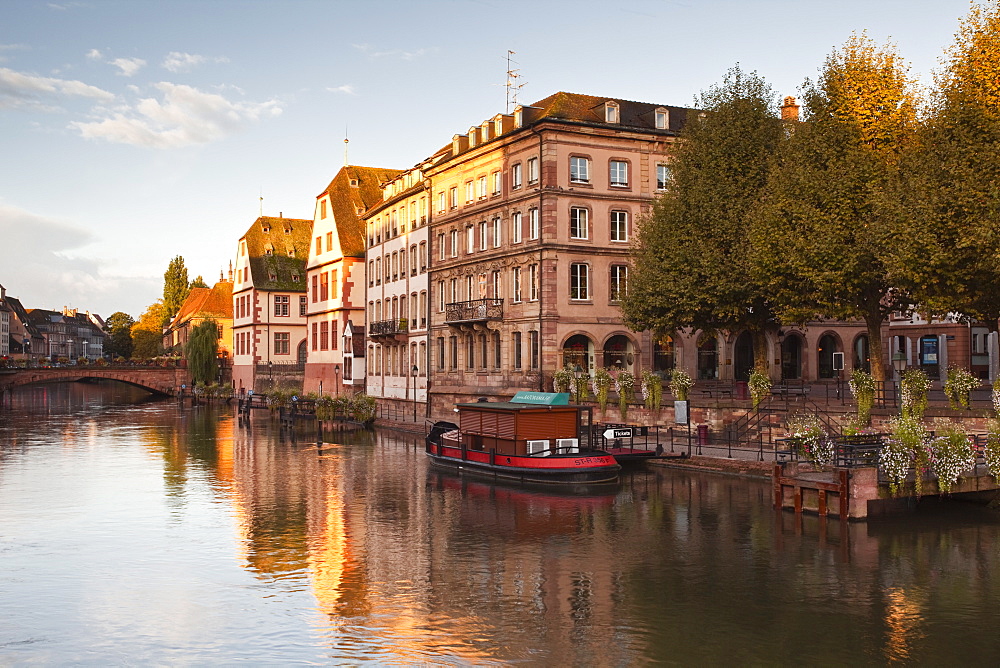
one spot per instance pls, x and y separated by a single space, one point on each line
533 216
336 279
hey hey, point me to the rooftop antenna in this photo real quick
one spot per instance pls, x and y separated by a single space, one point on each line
346 142
512 85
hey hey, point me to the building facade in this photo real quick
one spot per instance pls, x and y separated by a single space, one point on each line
215 303
270 304
398 290
533 216
336 279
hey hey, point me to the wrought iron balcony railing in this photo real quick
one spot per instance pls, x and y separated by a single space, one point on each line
388 327
476 310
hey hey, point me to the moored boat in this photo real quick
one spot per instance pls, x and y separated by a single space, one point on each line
534 437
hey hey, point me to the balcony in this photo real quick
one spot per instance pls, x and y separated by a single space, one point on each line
388 327
476 310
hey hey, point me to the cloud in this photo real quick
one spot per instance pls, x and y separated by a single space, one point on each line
393 53
128 66
65 6
184 116
94 54
183 62
27 90
346 88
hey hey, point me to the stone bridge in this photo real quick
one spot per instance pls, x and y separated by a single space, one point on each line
158 380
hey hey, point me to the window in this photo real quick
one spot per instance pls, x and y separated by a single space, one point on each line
440 238
579 281
497 182
282 343
662 176
319 245
333 283
324 336
423 309
516 284
496 232
329 241
454 290
454 243
533 224
619 282
483 351
469 193
481 189
413 260
579 170
302 306
470 239
482 235
619 226
515 349
441 202
281 305
496 350
533 342
387 263
315 336
662 119
371 273
533 282
497 288
578 223
470 351
440 353
315 285
515 227
453 199
611 112
453 349
440 296
378 271
395 223
423 256
619 173
515 176
324 286
532 171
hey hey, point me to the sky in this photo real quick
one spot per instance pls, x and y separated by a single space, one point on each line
135 131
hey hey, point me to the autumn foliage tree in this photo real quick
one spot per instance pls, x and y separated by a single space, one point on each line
822 236
692 258
948 236
119 326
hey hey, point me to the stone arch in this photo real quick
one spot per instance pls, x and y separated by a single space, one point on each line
829 342
619 350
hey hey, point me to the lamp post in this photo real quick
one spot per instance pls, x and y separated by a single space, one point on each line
899 366
414 371
336 380
577 372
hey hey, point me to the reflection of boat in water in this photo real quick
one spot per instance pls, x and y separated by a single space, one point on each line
521 511
534 437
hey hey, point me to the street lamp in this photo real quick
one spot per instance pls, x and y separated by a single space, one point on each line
577 372
899 365
414 371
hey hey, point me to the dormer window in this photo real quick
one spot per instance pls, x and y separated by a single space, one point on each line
662 119
611 112
484 131
354 183
295 278
265 228
498 126
472 136
291 252
272 277
518 117
288 230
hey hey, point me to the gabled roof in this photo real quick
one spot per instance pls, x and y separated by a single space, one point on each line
288 241
346 200
22 315
215 302
590 109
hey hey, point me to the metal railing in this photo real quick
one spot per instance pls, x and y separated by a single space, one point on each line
388 327
475 310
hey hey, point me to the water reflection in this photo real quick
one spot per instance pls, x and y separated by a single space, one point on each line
195 536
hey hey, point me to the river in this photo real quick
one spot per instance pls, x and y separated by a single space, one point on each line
153 533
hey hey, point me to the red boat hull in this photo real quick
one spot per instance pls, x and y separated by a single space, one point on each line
584 467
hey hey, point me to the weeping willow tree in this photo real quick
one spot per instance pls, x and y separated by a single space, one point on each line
202 352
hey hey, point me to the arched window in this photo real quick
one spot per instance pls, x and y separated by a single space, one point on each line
708 359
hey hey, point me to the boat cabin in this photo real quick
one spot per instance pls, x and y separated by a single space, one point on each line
531 423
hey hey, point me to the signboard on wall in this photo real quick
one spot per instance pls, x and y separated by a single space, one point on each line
681 412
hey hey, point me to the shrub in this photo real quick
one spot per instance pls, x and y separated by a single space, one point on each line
602 385
652 390
914 386
626 386
958 386
862 386
760 386
951 456
680 384
562 379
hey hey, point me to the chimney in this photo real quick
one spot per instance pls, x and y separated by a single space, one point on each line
789 110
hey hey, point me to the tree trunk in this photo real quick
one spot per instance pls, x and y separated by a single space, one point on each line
874 322
760 356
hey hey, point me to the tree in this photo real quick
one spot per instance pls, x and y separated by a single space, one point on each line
119 325
202 352
175 288
822 235
147 333
692 260
199 282
948 249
